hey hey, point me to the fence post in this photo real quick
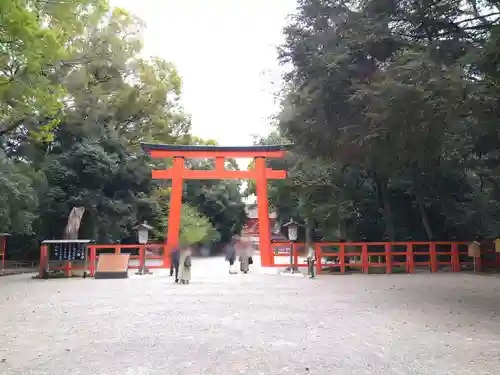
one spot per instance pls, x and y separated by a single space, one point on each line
317 249
433 257
67 268
478 264
295 256
365 264
142 258
43 261
388 257
410 261
92 260
455 258
342 257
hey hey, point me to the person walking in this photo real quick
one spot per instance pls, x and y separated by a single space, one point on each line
185 265
174 262
311 260
230 251
245 256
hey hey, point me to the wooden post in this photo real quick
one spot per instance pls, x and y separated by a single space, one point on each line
474 251
295 255
388 257
342 258
41 270
410 261
478 263
174 216
364 258
142 259
220 164
92 260
263 210
455 258
67 268
43 261
433 257
318 251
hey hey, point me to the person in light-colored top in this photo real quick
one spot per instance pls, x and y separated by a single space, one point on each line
185 265
311 260
244 256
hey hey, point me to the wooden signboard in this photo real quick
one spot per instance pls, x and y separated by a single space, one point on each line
112 266
474 249
67 251
497 245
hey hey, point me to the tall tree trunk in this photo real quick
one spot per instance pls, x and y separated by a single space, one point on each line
418 186
423 216
343 230
341 227
73 225
308 228
384 201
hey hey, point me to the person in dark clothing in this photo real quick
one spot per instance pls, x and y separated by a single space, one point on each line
175 256
230 251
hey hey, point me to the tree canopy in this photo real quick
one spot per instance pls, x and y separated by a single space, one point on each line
77 96
392 108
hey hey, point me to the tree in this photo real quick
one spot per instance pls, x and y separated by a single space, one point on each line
195 227
219 200
77 96
395 99
34 39
18 198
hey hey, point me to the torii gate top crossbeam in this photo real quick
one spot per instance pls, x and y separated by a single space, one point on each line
205 151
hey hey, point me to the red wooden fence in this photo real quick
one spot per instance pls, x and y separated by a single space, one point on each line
95 250
388 257
341 257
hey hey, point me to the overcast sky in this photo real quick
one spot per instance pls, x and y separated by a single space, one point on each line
225 51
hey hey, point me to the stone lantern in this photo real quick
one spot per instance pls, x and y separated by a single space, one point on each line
292 228
142 237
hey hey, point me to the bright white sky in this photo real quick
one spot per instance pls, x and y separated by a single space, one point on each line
225 51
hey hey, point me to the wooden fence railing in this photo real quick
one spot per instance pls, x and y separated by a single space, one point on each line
154 252
388 257
341 257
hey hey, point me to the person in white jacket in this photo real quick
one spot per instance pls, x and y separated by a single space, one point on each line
185 265
311 261
245 256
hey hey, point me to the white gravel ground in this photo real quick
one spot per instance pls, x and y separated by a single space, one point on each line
251 324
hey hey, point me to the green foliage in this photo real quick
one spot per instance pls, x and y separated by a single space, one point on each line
77 96
34 38
392 107
17 198
220 201
195 227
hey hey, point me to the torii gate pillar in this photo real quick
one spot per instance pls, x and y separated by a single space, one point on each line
178 173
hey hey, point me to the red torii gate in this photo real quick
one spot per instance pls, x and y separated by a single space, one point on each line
179 172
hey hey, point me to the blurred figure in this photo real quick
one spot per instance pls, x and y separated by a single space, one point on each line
174 262
311 261
244 256
185 264
230 251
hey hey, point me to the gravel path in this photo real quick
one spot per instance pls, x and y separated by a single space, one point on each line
251 324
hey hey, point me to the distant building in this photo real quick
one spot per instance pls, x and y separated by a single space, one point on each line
250 230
